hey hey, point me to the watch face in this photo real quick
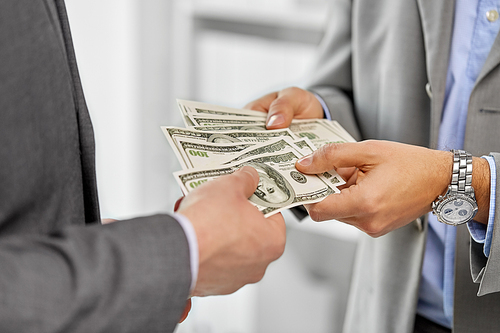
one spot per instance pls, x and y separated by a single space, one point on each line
457 210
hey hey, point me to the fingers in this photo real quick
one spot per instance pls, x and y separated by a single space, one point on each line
287 104
338 155
263 103
334 207
281 110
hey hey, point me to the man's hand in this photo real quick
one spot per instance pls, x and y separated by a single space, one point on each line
287 104
393 184
236 243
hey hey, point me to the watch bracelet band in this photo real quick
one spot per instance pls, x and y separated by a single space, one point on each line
461 179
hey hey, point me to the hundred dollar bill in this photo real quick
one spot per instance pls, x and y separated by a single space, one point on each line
305 146
175 133
318 131
198 108
337 127
281 185
192 153
185 116
196 154
207 114
209 120
234 127
300 146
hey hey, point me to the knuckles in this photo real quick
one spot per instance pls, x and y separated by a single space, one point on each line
295 91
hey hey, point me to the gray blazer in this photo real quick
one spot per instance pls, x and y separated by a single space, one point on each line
375 62
56 274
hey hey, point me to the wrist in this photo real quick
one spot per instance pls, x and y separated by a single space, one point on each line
481 185
446 176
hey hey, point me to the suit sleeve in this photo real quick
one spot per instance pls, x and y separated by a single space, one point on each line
332 74
129 276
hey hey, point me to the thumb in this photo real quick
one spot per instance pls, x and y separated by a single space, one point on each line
281 111
334 155
247 179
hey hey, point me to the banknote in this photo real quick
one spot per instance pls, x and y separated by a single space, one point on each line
214 120
233 127
280 186
305 146
195 154
218 116
185 116
342 132
220 140
175 133
192 153
198 108
318 131
300 146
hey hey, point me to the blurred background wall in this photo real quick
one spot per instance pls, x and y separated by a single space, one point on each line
135 58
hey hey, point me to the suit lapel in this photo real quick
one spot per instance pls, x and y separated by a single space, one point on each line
437 25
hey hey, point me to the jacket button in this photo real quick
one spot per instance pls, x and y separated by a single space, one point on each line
428 89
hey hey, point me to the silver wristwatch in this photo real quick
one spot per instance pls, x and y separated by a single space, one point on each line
459 204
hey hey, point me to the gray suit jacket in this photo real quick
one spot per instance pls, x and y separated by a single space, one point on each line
56 274
376 60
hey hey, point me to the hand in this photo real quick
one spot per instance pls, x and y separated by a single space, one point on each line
287 104
235 242
393 184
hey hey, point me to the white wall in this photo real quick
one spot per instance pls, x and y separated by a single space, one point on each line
107 53
123 48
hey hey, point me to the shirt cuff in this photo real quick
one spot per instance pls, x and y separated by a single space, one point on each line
193 246
479 232
326 110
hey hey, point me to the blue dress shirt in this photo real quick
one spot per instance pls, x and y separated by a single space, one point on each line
473 36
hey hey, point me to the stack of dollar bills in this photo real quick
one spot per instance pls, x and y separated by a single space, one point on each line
219 140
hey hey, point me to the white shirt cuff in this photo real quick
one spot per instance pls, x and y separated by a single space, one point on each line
193 246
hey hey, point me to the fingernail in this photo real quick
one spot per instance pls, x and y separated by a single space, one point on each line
275 120
306 160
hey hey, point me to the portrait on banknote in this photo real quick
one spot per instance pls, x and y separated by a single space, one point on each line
273 189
